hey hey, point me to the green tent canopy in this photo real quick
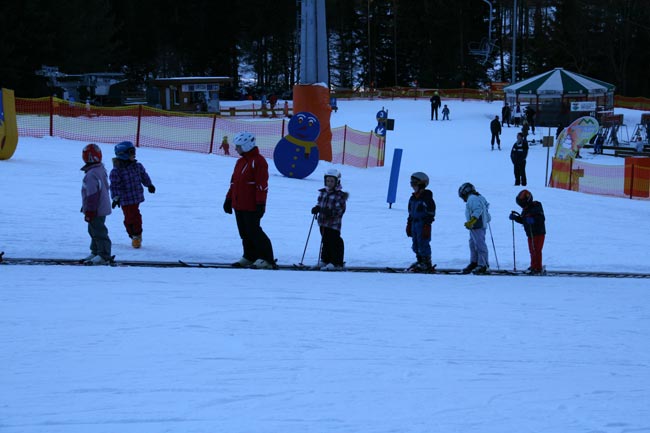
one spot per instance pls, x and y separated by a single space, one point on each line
559 82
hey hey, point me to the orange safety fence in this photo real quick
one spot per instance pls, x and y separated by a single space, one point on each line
155 128
631 180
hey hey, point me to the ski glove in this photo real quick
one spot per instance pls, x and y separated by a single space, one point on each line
315 210
89 215
514 216
152 189
426 232
469 224
260 209
227 206
409 233
116 203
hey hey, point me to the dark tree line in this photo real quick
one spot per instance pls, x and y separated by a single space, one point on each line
372 43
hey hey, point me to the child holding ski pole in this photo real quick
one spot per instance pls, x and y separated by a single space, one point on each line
477 218
330 209
533 220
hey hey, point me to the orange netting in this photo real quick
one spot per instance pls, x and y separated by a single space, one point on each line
631 180
151 127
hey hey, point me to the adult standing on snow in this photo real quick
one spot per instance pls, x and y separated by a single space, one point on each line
247 197
518 156
330 208
435 104
505 114
477 218
495 129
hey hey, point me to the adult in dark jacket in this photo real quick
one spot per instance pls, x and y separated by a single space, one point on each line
518 156
435 104
247 197
533 220
495 129
529 112
505 114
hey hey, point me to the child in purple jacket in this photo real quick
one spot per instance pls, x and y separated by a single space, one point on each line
127 178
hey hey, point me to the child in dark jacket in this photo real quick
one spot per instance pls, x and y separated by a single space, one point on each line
127 178
422 213
533 220
330 209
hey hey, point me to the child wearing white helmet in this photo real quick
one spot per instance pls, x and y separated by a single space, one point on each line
330 207
477 218
247 197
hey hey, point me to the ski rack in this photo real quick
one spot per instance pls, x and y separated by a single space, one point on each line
29 261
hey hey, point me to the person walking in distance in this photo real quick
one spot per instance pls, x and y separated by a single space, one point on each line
435 105
247 197
495 129
505 114
518 156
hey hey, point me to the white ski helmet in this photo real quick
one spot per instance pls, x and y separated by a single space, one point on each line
332 172
246 140
422 178
465 190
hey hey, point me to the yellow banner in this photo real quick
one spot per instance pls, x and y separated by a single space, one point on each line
8 126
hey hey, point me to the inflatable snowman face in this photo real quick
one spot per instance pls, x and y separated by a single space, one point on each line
304 126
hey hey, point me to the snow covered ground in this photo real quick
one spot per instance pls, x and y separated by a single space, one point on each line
189 350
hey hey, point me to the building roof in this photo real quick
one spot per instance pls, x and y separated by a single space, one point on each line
559 82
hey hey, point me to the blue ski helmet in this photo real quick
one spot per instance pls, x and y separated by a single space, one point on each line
124 150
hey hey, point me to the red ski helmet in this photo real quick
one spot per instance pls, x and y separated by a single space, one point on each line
91 154
524 198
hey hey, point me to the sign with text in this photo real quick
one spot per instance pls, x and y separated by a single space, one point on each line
583 106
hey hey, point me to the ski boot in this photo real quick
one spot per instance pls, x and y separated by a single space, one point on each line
469 268
480 270
136 241
242 263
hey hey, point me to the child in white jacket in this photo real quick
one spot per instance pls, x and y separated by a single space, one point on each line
477 218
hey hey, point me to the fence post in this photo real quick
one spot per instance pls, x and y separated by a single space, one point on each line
214 123
368 153
51 116
632 182
137 134
345 136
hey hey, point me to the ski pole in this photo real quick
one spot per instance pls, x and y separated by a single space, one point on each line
514 257
493 247
307 241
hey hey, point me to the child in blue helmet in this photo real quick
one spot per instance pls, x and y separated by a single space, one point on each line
127 179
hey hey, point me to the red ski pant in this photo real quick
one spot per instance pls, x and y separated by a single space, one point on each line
132 219
535 245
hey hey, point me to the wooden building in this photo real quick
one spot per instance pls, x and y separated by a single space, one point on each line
197 94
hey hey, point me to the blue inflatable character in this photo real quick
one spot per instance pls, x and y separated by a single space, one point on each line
382 117
296 155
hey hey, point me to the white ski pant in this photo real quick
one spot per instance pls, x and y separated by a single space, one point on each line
477 247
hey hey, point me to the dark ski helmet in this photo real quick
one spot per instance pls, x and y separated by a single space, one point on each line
421 178
124 150
465 190
91 154
524 198
332 172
